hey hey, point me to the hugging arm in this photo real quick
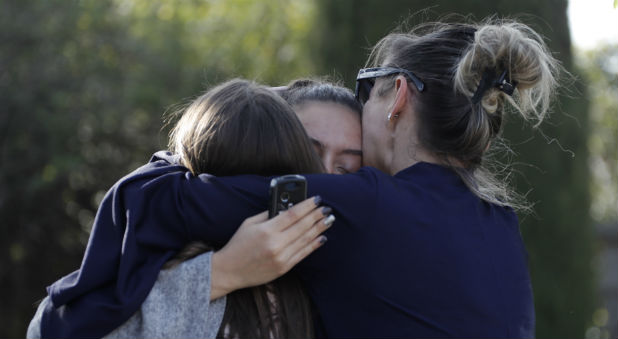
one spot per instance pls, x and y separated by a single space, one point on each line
188 301
178 306
151 214
225 199
260 251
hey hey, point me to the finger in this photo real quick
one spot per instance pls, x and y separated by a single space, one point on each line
307 237
257 218
303 225
305 251
297 212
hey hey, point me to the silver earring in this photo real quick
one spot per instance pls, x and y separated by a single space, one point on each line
389 116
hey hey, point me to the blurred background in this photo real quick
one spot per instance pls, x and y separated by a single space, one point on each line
84 86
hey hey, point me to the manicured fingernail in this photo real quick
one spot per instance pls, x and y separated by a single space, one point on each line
330 220
326 210
323 239
317 200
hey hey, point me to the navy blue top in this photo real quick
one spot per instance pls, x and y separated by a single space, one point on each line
416 254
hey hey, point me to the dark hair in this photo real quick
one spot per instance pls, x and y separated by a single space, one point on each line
301 91
242 127
451 59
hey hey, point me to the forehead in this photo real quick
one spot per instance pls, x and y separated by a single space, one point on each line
331 122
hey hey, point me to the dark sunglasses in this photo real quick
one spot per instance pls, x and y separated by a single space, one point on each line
366 78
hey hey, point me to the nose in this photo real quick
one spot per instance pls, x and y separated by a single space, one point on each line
329 162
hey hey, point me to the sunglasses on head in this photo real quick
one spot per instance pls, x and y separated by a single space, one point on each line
366 78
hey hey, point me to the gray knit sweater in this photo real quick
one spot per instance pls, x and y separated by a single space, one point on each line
178 306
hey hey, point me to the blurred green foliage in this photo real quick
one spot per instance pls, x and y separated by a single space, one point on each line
599 68
84 85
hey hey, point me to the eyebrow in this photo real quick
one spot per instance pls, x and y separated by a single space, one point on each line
353 152
345 151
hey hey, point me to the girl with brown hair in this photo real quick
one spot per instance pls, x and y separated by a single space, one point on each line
236 128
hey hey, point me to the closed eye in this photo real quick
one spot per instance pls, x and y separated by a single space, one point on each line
341 170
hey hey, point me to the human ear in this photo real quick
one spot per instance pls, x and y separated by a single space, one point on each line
401 99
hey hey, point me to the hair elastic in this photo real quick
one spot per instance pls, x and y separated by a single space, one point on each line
489 80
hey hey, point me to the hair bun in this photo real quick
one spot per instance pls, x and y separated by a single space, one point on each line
514 48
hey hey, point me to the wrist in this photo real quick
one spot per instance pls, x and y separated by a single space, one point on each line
222 281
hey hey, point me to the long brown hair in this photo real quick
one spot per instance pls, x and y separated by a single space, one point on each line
240 127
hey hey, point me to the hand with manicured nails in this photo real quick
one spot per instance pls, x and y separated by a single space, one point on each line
264 249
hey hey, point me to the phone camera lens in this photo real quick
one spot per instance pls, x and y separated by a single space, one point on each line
285 197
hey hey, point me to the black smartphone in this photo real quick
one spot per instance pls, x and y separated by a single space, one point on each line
285 192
